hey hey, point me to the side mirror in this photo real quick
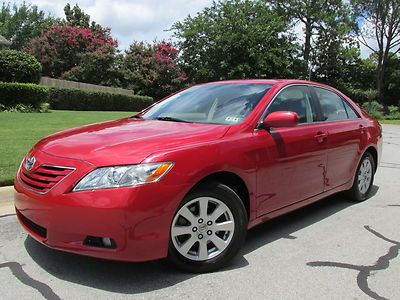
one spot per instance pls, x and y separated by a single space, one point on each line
281 119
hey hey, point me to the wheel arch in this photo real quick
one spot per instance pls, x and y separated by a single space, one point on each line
233 181
374 153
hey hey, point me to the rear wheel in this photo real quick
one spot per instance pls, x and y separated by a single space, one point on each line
364 179
208 229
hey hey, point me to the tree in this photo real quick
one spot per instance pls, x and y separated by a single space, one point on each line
237 39
379 23
316 16
392 80
152 69
102 67
76 17
60 48
21 23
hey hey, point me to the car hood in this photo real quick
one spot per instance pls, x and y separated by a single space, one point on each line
126 141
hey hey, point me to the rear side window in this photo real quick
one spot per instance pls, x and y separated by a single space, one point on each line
296 99
333 107
350 111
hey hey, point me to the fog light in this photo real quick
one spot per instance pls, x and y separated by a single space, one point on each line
102 242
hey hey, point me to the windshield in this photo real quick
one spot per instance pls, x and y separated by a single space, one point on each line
212 103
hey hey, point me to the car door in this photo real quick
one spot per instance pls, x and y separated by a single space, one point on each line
345 131
292 160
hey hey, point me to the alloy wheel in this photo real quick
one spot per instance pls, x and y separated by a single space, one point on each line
202 228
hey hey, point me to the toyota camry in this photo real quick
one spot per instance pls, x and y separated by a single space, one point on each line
188 176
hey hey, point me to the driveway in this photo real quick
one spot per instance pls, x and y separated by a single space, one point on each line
330 250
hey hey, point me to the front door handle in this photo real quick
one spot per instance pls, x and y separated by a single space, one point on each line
321 137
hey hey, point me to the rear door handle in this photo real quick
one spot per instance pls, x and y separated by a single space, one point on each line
321 137
362 128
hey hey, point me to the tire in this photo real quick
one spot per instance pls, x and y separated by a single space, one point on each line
208 229
364 174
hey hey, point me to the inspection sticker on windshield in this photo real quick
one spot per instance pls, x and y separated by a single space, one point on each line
232 119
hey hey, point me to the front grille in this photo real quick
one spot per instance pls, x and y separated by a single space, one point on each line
39 230
44 178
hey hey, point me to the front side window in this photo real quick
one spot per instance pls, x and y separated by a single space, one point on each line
221 103
295 99
332 105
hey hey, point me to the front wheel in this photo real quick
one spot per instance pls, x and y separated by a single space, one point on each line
364 179
208 229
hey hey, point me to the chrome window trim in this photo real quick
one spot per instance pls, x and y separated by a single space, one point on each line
264 114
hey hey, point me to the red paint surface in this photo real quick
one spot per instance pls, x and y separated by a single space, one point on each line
283 169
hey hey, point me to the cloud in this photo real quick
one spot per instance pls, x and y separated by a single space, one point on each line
131 20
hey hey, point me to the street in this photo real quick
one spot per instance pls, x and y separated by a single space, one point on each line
333 249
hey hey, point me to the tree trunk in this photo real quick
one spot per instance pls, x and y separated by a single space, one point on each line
307 44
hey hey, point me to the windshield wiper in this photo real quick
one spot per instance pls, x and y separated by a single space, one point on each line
166 118
136 117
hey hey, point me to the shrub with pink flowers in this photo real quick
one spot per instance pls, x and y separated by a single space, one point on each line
153 69
61 47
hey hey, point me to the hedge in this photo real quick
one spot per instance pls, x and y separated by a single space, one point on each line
74 99
12 94
17 66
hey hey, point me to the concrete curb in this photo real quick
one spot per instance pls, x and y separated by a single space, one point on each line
7 200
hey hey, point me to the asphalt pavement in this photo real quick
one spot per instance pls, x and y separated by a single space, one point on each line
333 249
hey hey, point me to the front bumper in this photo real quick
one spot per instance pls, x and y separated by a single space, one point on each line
137 218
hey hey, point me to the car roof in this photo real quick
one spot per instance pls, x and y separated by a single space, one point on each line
267 81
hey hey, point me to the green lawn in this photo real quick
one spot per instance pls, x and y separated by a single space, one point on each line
397 122
20 131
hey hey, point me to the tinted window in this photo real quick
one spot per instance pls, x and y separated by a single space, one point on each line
331 104
350 111
296 99
211 103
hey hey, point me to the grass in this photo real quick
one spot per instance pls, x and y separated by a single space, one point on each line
396 122
20 131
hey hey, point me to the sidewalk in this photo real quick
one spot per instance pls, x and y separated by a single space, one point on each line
6 200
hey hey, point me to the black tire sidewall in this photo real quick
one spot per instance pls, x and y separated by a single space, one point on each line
234 203
358 196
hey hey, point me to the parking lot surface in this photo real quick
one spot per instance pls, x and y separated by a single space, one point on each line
333 249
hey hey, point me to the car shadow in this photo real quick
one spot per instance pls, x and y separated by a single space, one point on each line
135 278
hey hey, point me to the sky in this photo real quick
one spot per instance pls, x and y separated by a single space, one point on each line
130 20
138 20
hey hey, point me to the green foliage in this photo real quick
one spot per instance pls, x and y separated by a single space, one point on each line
374 109
101 67
76 17
21 23
237 39
152 69
359 95
60 48
12 94
22 108
392 81
74 99
394 113
17 66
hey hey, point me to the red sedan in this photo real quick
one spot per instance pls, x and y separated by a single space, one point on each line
186 177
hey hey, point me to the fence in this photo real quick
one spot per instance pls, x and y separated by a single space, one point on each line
52 82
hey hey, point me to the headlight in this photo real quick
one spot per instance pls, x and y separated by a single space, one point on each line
111 177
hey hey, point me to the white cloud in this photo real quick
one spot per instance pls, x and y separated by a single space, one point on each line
131 19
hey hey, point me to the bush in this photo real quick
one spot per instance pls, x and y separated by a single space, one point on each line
374 109
74 99
361 96
394 113
27 94
17 66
